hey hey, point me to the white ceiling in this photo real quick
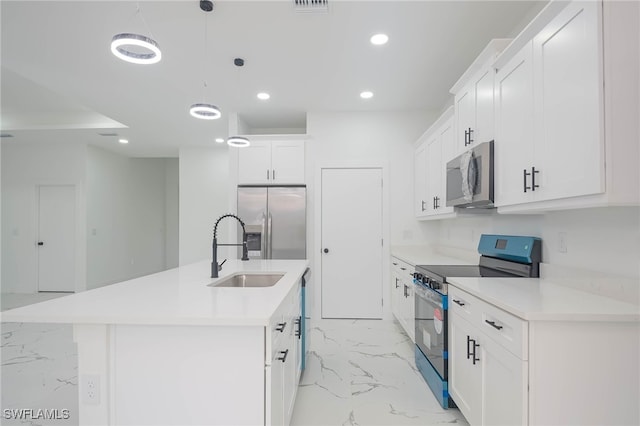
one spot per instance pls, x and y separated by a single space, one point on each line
61 82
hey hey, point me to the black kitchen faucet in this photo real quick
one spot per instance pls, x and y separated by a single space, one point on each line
215 267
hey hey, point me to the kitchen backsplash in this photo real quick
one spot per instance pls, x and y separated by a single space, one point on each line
605 240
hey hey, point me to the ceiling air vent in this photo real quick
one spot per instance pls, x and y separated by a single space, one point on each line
311 6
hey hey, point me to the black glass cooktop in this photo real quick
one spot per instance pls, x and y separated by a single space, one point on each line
441 272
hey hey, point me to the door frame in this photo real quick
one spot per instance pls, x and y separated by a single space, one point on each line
80 243
315 257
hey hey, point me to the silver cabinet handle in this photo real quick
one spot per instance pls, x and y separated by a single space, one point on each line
267 174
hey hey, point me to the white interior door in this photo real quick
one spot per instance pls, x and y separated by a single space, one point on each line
56 238
351 243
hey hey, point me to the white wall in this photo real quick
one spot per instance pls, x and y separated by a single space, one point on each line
127 221
24 167
339 139
600 239
204 196
172 185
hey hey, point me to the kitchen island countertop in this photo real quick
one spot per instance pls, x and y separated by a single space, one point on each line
178 296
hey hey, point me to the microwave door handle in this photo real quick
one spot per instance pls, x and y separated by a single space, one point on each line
466 164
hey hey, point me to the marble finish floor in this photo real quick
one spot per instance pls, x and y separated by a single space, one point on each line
362 372
358 373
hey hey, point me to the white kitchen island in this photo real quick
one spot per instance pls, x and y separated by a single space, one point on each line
169 349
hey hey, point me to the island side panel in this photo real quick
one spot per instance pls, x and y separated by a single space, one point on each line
584 373
188 375
93 342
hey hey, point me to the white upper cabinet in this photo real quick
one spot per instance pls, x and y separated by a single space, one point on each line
420 179
271 162
548 126
474 99
513 147
567 84
563 109
433 150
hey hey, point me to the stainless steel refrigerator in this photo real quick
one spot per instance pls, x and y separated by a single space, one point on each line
275 221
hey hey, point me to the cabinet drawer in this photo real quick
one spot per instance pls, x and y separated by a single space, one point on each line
402 268
464 304
502 327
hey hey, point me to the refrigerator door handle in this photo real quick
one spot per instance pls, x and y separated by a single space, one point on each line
269 230
263 237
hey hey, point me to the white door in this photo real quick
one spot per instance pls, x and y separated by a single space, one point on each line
56 238
351 221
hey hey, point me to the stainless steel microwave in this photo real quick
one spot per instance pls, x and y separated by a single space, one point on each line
470 178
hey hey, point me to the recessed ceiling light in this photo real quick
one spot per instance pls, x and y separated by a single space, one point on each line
123 141
263 96
366 95
238 141
219 140
379 39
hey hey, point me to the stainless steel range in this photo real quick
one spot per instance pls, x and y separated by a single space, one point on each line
501 256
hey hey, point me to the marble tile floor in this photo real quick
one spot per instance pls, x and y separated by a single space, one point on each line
359 372
362 372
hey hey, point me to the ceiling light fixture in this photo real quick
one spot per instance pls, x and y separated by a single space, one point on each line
219 140
123 141
238 141
379 39
366 95
263 96
204 110
136 48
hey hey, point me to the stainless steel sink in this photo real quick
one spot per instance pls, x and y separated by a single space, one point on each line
248 280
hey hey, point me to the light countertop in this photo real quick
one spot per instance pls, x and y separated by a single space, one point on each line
426 255
177 296
537 299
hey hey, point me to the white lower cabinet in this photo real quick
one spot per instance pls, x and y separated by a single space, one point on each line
402 295
487 381
505 370
282 371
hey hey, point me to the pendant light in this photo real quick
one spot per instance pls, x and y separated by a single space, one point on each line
204 110
126 46
238 141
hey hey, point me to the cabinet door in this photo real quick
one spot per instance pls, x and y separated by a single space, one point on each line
434 174
254 163
289 372
287 162
465 377
504 385
465 117
395 291
446 154
420 180
514 129
484 107
568 92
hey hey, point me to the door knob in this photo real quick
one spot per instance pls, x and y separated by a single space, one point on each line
326 250
40 243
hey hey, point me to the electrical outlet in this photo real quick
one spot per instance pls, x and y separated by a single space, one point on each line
562 242
90 389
